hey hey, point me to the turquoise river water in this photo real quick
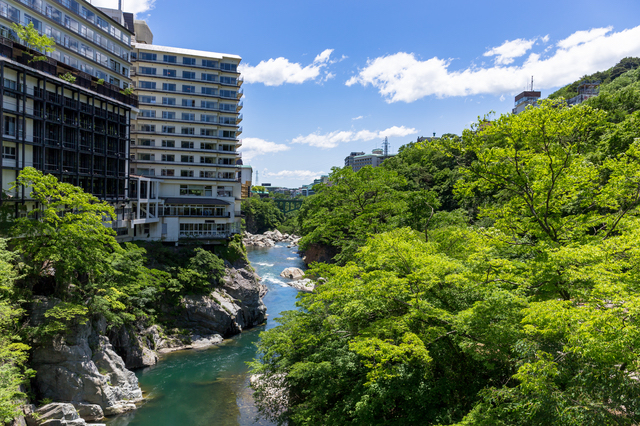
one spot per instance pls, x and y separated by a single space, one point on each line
210 387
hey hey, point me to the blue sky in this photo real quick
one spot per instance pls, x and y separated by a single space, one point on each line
324 78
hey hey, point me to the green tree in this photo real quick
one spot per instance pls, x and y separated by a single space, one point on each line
34 40
261 214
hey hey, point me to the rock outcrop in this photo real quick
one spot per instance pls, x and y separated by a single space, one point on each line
235 306
269 239
319 253
54 414
292 273
80 367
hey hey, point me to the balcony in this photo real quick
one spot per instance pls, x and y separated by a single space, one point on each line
208 234
239 119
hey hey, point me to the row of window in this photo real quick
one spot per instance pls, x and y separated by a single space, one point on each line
189 173
188 116
186 88
173 59
191 103
186 145
188 131
189 75
171 158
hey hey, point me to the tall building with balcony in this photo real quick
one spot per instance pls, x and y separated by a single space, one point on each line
184 142
76 128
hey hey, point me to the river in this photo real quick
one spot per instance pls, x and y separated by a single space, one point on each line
210 387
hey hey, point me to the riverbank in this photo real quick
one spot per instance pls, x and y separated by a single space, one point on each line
211 386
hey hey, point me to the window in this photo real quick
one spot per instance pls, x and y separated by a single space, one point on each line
208 118
167 172
146 142
227 107
146 157
169 115
188 89
189 75
228 67
172 59
209 63
228 93
185 173
147 99
209 146
147 128
188 116
228 80
168 101
208 175
169 73
147 85
208 77
168 157
227 120
9 152
147 71
208 105
209 91
169 87
188 131
208 160
186 144
169 144
207 132
186 158
145 56
189 102
168 129
189 61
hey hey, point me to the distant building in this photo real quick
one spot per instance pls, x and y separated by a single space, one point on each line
586 90
524 99
357 160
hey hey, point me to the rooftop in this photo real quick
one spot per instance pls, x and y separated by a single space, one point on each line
180 51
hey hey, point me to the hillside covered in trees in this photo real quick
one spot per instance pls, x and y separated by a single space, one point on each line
487 279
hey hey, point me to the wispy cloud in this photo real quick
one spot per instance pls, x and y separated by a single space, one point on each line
252 147
404 77
333 139
360 117
278 71
507 51
132 6
297 174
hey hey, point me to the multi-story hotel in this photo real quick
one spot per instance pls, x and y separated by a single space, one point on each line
75 128
184 158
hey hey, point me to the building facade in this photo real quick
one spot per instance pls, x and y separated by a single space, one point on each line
185 138
357 160
524 99
76 128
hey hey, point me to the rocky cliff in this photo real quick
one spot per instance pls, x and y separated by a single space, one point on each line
319 253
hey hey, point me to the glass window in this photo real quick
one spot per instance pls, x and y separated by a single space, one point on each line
228 80
147 128
169 87
208 118
169 73
208 105
185 173
188 116
228 67
172 59
186 144
188 131
209 91
147 85
168 129
167 172
147 70
228 93
169 144
168 101
147 113
189 102
169 115
168 157
189 61
186 158
147 99
145 56
207 132
189 75
208 77
9 152
188 89
209 63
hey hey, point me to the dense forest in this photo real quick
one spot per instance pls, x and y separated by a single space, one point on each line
488 279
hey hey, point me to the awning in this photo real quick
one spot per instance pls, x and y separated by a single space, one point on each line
200 201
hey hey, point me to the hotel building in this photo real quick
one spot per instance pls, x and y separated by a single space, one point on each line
76 129
185 166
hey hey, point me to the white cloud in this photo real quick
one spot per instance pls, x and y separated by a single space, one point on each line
403 77
502 98
275 72
360 117
132 6
252 147
509 50
298 174
331 140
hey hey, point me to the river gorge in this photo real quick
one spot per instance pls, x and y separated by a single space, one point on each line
211 386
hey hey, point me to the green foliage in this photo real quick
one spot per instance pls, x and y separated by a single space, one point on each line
127 91
356 205
100 81
262 215
68 77
33 40
520 308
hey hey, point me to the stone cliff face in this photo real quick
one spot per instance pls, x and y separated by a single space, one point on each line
319 253
80 367
86 368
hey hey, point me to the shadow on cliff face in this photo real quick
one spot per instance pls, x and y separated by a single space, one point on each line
316 252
